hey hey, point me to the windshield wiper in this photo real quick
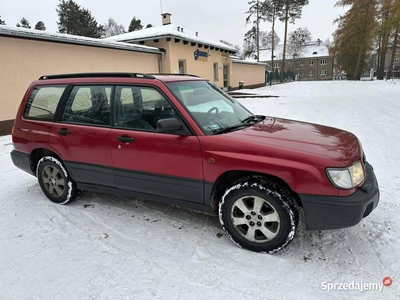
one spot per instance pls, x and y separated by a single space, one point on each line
231 128
249 121
252 118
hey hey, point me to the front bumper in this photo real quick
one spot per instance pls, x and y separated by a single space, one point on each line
329 212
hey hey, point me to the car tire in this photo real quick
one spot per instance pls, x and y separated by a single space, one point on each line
259 215
55 181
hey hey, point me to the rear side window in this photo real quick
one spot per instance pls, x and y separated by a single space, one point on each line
43 102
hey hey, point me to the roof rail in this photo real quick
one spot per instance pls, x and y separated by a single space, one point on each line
86 75
172 74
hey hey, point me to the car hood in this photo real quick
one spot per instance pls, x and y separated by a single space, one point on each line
317 139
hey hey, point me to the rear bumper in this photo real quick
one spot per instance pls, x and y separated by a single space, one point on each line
322 212
21 160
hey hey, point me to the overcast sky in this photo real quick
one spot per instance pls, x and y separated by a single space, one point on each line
219 19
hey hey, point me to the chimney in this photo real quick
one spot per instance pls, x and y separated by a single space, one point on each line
166 18
197 34
179 29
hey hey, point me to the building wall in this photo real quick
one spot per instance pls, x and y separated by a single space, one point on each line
388 58
252 75
23 61
303 69
203 67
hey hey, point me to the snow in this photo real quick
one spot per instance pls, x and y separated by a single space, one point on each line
174 30
111 247
73 39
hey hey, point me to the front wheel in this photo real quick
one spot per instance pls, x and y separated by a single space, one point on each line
259 215
55 181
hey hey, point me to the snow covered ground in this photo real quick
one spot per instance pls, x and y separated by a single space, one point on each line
111 247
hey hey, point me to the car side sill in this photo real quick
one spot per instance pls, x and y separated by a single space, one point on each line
180 203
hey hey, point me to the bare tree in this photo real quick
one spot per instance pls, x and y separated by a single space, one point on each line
297 41
112 28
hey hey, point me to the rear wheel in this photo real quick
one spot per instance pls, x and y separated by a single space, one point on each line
259 215
55 181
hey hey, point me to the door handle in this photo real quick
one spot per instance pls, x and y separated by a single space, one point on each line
125 139
63 131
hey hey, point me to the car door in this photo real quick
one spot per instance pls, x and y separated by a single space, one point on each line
146 161
82 135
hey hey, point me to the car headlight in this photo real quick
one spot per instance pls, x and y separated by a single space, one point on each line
347 178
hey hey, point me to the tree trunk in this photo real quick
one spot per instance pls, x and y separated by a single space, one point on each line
385 40
285 39
273 40
258 33
378 55
390 71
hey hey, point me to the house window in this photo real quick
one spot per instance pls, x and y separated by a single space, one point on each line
182 66
289 64
311 73
215 69
322 72
302 63
276 65
311 62
396 60
324 61
397 51
301 73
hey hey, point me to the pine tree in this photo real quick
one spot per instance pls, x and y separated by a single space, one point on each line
291 11
353 38
2 22
135 25
76 20
40 26
111 28
24 23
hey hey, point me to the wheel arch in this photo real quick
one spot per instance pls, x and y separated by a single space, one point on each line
226 179
38 154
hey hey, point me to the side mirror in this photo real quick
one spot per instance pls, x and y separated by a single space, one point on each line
169 125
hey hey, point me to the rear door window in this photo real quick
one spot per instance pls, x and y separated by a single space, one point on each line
43 102
89 105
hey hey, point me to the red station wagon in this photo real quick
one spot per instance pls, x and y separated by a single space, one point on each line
182 141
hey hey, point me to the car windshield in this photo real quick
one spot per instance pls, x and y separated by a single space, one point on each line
212 109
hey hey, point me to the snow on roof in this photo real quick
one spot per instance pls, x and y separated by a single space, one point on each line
170 30
72 39
240 61
312 49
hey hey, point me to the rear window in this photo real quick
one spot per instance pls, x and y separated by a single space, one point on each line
43 102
